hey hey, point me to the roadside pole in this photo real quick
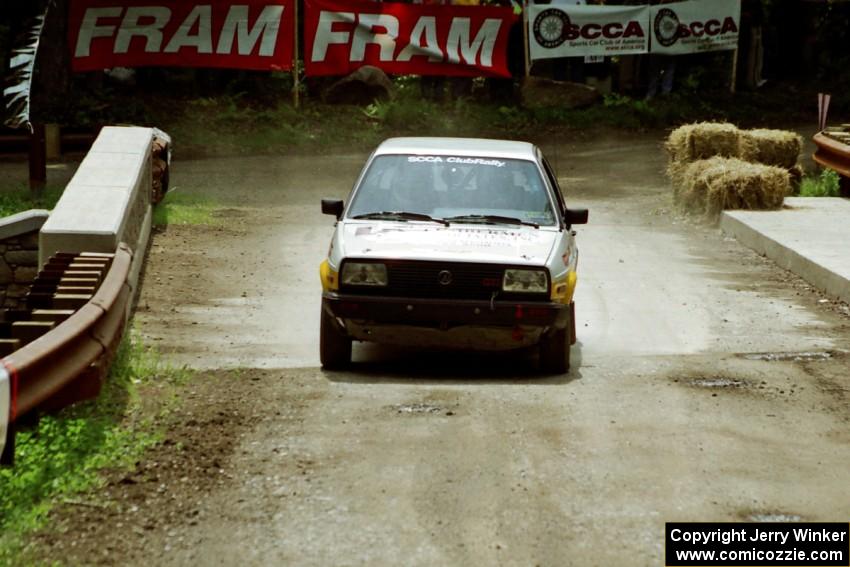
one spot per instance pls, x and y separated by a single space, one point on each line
526 55
37 160
732 83
296 75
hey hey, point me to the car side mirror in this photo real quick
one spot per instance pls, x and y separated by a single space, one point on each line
576 216
332 207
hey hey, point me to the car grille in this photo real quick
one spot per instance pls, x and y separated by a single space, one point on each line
418 279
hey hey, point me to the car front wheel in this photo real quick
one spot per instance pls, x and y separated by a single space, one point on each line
334 346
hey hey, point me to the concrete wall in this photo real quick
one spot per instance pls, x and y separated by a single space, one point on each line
108 200
19 255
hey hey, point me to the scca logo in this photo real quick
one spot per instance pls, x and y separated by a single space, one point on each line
553 27
669 29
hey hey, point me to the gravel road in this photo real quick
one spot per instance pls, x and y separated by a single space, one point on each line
708 385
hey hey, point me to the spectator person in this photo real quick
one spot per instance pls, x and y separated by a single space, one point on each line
462 86
752 18
503 90
662 69
432 87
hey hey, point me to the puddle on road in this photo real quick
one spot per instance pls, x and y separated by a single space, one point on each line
718 382
789 356
419 409
773 517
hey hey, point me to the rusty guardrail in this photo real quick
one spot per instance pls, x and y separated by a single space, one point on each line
832 153
70 362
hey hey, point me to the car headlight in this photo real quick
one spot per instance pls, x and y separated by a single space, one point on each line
525 281
361 273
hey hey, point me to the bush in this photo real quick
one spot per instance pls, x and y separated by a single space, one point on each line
824 185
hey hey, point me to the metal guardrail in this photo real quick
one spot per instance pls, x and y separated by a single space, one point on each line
70 362
832 153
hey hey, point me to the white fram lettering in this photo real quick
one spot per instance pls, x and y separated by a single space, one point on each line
131 27
383 30
365 34
266 27
89 29
326 36
202 41
425 28
483 43
149 23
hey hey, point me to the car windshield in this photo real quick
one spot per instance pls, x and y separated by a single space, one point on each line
468 189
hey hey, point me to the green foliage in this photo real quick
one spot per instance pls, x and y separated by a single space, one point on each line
824 185
14 199
61 455
181 208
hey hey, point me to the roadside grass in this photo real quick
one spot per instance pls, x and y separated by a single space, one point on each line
181 208
61 455
18 198
824 185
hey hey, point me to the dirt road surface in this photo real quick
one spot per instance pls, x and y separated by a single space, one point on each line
707 385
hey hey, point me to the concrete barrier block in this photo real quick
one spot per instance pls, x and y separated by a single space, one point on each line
107 200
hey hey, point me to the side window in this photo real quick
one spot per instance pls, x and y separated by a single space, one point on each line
553 181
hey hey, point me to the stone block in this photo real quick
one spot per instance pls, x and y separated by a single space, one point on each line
16 290
23 257
6 274
25 274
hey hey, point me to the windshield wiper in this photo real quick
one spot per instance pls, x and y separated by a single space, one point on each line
491 219
400 215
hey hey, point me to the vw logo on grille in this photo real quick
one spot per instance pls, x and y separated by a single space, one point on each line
444 277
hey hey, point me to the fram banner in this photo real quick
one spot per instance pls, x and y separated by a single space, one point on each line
562 30
241 34
695 26
341 35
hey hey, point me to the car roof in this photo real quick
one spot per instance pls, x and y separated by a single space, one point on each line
467 147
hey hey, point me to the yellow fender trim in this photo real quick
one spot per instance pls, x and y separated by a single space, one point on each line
330 279
563 292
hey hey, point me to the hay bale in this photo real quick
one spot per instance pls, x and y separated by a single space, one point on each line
703 140
679 144
712 139
710 186
771 147
796 174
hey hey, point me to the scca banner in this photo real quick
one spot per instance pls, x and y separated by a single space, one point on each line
558 30
341 36
699 25
241 34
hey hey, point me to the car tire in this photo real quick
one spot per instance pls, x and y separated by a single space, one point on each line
555 351
334 346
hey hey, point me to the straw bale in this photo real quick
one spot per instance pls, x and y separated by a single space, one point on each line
771 147
710 186
703 140
679 144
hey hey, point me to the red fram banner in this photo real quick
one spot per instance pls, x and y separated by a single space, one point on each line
415 39
240 34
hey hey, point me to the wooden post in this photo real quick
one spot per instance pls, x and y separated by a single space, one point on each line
734 82
296 75
525 38
37 161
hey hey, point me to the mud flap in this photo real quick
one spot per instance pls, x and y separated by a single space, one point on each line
573 334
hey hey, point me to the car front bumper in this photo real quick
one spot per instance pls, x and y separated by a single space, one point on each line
445 313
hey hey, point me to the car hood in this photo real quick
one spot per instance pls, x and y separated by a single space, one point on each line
522 245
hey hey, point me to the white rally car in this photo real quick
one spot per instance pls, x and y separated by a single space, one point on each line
452 242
